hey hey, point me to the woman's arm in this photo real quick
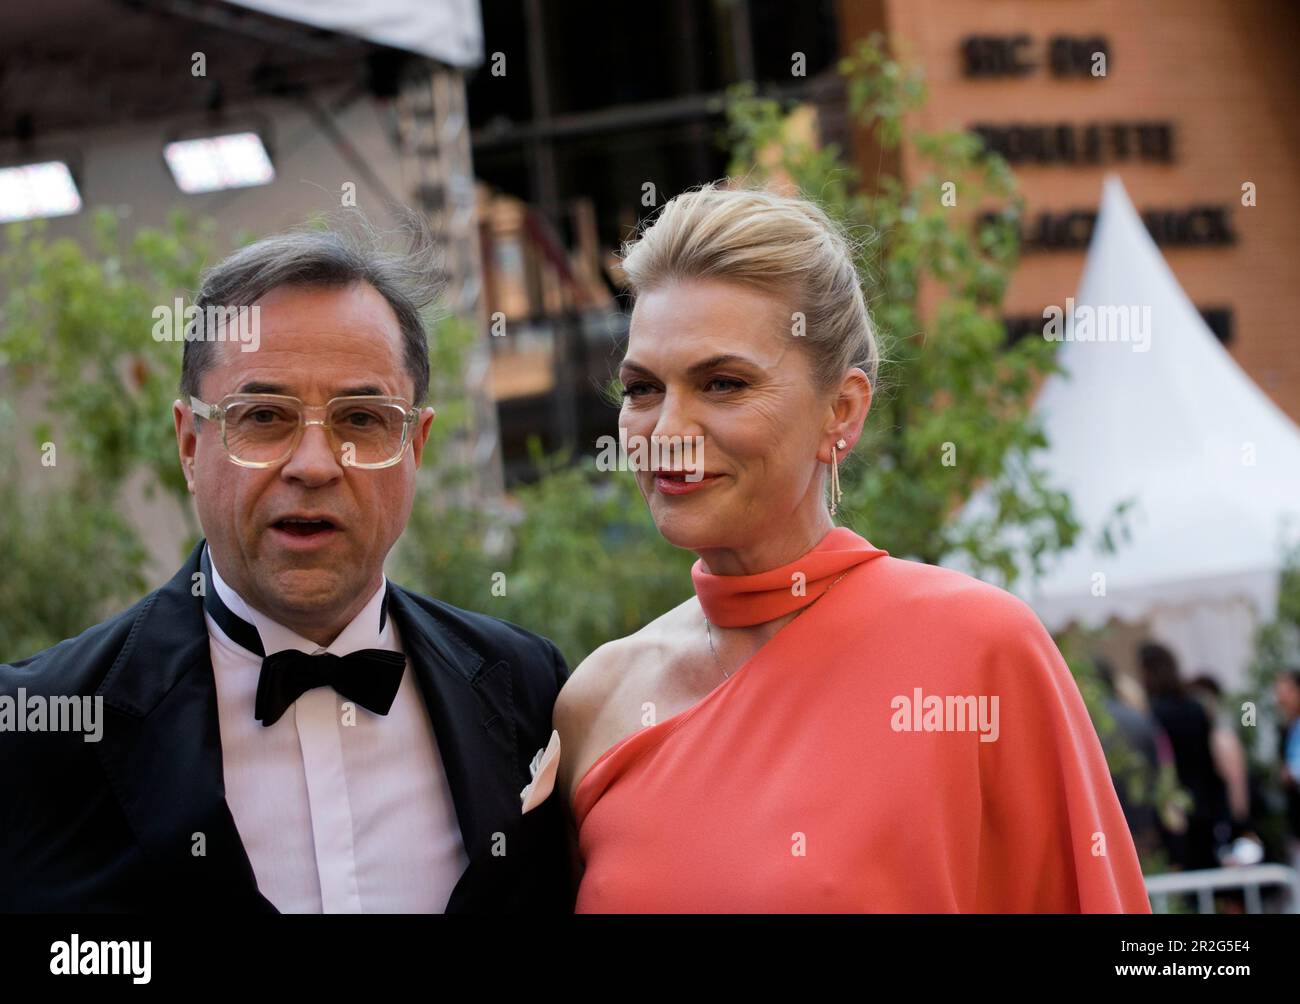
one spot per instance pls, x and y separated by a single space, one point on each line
574 716
1230 761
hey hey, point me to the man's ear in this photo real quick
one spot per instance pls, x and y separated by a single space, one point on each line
421 435
187 439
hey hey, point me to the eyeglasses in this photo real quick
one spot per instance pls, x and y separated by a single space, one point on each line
263 430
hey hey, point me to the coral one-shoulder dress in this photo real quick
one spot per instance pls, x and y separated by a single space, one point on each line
911 742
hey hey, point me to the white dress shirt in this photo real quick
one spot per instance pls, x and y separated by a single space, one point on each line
335 817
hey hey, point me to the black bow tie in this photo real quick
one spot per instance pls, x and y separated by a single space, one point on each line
369 677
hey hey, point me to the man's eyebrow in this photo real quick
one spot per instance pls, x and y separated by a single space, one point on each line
702 366
260 387
361 390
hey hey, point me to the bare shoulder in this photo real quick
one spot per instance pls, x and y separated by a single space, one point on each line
598 675
585 710
590 683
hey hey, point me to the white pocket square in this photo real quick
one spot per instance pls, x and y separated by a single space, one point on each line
545 763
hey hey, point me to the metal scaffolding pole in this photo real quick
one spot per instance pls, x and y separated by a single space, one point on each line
437 170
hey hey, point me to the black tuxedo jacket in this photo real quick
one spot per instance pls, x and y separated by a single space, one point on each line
110 826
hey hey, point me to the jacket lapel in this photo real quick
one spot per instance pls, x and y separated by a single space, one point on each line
471 707
161 751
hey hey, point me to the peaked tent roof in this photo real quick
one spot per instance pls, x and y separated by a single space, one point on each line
1212 465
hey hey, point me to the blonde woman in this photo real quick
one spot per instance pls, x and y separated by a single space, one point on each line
822 727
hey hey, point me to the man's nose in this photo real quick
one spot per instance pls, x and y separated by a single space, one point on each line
314 461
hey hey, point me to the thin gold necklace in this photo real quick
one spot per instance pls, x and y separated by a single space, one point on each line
708 628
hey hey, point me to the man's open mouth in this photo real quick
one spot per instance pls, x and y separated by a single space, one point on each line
304 527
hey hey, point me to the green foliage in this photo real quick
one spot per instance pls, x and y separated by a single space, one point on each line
78 325
450 337
67 554
77 348
1277 643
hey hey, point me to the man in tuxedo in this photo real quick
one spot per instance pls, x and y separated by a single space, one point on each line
282 728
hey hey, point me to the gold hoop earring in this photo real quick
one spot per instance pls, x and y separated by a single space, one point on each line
836 492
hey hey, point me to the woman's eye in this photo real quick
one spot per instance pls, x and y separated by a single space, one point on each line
636 389
728 382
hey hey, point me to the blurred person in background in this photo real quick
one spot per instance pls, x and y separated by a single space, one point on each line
1139 733
1227 751
1188 728
1287 691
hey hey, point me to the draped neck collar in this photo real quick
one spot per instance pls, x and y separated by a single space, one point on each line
742 600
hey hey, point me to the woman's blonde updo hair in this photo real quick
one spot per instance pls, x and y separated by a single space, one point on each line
779 244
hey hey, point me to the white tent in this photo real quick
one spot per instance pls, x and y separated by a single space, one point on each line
449 31
1210 463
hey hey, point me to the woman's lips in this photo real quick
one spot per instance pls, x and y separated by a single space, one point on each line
682 483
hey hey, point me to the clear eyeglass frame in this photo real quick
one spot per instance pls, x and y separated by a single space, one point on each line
217 412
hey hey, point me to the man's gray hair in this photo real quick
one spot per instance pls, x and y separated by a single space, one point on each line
336 256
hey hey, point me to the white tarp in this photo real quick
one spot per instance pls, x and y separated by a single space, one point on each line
450 31
1212 465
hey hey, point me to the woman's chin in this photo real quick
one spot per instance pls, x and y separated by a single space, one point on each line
690 531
